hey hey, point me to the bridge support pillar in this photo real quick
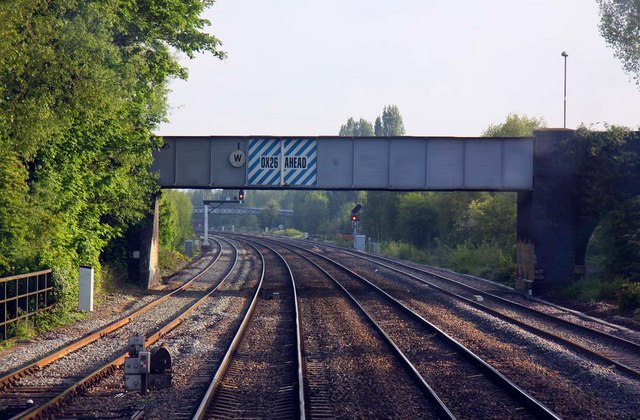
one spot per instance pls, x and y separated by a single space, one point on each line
142 246
149 272
546 215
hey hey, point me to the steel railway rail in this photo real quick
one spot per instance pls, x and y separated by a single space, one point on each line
609 349
8 379
327 363
51 403
387 314
261 373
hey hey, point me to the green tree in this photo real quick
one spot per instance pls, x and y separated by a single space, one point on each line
490 219
620 27
417 219
452 207
362 128
515 126
14 213
176 213
168 222
312 211
380 215
268 216
82 86
621 237
390 124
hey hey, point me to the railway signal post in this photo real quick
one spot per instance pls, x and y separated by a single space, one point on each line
355 219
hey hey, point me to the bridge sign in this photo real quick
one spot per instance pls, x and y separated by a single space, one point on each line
264 162
288 162
299 165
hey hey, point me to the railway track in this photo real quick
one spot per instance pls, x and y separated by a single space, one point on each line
197 347
437 363
77 367
350 370
311 338
608 349
583 384
261 373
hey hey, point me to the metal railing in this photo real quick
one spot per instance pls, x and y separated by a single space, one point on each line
23 296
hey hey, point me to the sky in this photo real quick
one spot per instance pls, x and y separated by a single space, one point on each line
302 67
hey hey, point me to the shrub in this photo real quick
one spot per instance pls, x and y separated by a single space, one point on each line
584 290
22 329
170 261
291 233
487 261
405 252
629 297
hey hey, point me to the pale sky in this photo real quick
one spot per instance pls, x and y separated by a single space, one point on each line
302 67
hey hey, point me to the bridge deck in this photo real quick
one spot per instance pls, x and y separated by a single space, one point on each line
347 163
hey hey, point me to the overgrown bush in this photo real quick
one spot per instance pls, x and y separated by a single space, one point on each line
170 261
175 219
22 329
486 261
291 233
405 252
588 289
629 297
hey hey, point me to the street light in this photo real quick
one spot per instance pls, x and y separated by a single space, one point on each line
565 55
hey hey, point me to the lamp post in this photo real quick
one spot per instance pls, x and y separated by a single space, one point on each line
565 55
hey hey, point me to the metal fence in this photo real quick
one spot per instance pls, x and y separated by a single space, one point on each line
23 296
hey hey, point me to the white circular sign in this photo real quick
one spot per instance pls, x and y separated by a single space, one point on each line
280 226
237 158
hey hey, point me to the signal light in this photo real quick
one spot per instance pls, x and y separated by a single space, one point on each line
241 195
355 218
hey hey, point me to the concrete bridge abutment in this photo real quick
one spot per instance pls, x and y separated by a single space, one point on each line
546 215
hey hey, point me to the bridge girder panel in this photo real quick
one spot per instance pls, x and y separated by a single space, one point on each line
348 163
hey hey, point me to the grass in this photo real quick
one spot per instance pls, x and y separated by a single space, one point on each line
170 261
586 290
23 329
625 294
486 261
290 233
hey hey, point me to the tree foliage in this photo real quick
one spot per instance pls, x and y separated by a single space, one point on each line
490 219
515 126
604 163
82 86
621 237
312 211
175 219
390 124
269 213
418 220
361 128
620 27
